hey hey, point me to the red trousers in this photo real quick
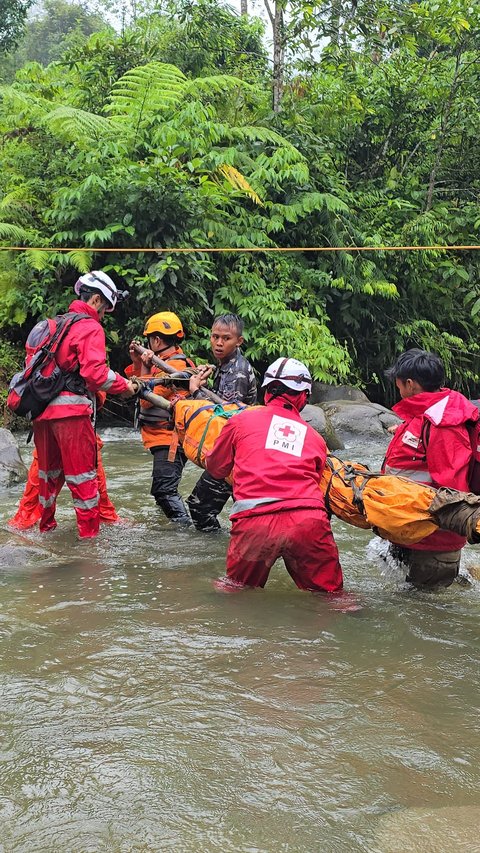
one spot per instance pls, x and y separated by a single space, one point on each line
67 453
303 537
29 509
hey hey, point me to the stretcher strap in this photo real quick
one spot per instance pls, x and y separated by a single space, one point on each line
197 412
220 412
202 440
172 450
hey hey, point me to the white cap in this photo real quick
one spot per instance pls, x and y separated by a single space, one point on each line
290 372
102 282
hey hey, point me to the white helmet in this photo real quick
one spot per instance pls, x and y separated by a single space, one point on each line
290 372
102 282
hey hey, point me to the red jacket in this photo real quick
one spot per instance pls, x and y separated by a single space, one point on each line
277 460
446 458
83 349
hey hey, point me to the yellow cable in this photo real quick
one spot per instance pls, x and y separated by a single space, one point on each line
177 250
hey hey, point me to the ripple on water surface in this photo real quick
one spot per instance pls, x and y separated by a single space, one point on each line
143 711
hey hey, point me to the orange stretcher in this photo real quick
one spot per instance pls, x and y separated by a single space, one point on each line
396 508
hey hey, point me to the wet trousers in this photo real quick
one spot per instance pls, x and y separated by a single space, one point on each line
29 509
303 537
67 452
166 477
428 569
207 501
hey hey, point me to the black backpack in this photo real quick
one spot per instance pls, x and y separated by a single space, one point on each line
34 387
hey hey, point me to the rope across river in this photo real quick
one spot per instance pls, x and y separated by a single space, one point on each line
238 249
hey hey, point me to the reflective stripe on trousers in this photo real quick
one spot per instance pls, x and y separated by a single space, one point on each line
66 450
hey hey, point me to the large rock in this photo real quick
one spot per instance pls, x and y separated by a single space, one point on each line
12 467
316 417
323 393
364 419
16 551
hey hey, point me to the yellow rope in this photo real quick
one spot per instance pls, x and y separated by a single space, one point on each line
177 250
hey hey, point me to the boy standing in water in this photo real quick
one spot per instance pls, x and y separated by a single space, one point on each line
431 446
234 381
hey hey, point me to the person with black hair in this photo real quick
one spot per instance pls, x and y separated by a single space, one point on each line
234 381
431 446
165 334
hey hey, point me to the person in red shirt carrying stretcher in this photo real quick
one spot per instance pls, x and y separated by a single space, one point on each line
433 445
279 511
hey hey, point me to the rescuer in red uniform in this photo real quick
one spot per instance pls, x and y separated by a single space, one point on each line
279 510
63 433
431 446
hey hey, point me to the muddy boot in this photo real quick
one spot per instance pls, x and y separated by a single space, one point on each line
431 569
174 509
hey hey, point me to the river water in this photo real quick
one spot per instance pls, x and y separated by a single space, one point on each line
143 711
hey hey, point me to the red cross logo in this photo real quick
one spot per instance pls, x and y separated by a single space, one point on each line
286 431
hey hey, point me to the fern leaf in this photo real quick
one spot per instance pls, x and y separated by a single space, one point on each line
100 235
73 125
38 259
217 84
80 261
146 90
238 182
8 231
263 134
24 104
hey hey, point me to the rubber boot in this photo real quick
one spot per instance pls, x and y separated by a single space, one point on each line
174 508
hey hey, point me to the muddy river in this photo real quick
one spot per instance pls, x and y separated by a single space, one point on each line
143 711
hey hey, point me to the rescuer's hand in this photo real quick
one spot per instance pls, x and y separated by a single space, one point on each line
146 358
199 379
136 359
130 391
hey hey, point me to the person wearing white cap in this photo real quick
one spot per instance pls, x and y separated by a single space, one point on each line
63 432
279 511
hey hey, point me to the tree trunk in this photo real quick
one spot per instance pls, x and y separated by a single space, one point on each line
278 55
335 19
277 21
244 7
442 133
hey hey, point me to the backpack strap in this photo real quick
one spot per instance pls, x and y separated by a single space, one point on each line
425 436
63 322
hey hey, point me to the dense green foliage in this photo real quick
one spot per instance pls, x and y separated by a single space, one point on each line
12 21
164 137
